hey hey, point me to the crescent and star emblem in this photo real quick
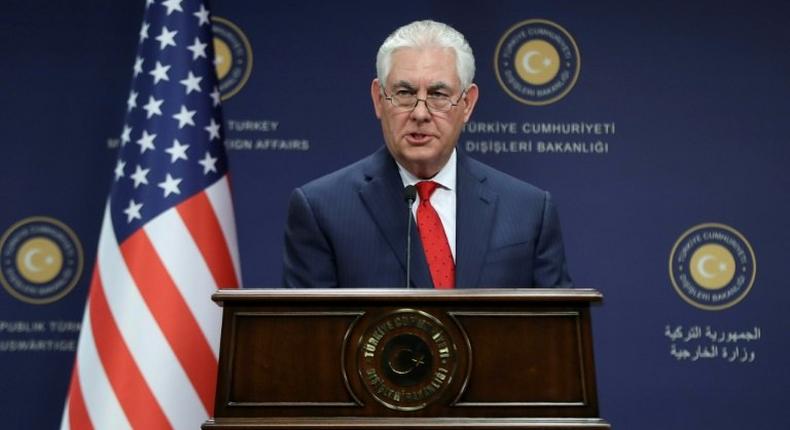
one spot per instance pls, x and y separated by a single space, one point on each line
703 262
527 62
404 361
29 263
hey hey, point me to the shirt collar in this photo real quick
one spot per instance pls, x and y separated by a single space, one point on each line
445 178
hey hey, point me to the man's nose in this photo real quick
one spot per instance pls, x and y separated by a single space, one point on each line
421 111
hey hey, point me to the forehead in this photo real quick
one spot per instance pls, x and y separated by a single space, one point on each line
423 66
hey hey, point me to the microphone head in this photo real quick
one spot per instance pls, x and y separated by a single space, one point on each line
410 194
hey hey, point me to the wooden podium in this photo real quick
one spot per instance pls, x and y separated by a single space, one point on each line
394 359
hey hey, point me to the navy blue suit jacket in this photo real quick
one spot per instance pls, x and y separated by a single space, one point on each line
348 229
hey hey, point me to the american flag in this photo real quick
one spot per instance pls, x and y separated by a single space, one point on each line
147 354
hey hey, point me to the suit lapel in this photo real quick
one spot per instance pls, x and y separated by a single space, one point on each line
382 194
476 207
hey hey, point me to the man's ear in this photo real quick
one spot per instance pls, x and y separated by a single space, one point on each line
378 98
472 94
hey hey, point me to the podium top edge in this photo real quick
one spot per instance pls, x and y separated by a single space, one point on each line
402 294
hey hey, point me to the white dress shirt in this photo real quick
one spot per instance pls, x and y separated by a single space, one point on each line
443 199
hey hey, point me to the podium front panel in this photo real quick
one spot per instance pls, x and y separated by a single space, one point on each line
382 354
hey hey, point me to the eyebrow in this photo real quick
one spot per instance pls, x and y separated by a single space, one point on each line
439 86
433 87
404 84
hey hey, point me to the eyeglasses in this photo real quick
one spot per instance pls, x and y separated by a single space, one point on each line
435 103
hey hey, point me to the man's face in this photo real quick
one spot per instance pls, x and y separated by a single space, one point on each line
422 141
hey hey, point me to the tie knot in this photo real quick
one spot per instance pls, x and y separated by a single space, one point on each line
425 189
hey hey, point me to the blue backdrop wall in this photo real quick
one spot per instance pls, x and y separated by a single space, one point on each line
663 139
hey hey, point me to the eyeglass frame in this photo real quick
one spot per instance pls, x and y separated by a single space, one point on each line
425 101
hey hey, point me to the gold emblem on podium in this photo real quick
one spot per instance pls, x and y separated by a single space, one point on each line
406 359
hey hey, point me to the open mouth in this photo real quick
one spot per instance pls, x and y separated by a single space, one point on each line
418 138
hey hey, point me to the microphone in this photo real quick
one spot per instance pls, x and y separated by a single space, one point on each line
410 195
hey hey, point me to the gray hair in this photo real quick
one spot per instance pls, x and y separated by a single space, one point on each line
427 34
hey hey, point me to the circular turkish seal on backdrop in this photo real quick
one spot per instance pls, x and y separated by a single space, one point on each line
712 266
406 359
232 56
537 62
40 260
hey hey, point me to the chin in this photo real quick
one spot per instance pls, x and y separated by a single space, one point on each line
420 154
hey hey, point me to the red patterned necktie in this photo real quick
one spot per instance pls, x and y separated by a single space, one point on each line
434 240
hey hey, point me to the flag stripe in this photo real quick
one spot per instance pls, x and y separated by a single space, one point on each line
220 197
152 353
180 255
104 409
78 413
202 223
172 314
136 398
64 419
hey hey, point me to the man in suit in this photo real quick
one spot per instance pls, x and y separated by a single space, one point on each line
476 227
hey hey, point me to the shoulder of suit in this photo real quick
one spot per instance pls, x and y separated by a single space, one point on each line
340 179
498 179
